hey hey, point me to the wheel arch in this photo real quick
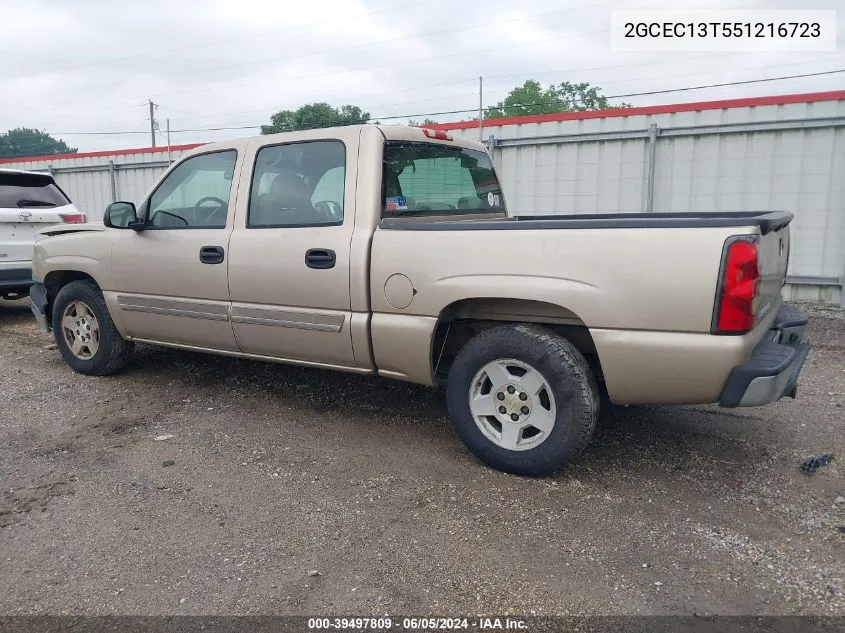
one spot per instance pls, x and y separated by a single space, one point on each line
462 320
55 280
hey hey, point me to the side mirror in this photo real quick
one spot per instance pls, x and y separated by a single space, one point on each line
122 215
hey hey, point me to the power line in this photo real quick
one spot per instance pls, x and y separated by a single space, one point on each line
651 77
527 105
474 109
496 91
350 47
341 72
242 37
230 86
728 83
354 98
452 83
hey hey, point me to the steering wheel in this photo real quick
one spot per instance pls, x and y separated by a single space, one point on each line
169 214
329 210
222 206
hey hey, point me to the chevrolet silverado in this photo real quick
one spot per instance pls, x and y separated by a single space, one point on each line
390 250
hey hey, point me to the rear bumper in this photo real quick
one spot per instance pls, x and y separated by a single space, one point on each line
38 304
772 371
15 278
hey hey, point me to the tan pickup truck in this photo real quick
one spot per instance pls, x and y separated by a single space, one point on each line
389 250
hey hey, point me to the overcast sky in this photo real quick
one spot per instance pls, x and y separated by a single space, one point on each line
80 66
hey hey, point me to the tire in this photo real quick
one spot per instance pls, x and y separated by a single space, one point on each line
107 352
565 408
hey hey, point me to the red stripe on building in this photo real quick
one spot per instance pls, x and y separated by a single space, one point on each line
751 102
114 152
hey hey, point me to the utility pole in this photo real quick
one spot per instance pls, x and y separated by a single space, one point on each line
153 122
169 160
480 110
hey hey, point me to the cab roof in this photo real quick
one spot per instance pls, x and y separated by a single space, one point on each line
389 132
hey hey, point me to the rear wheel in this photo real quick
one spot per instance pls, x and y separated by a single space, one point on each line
523 399
85 333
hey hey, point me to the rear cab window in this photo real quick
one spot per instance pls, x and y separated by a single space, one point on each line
30 191
429 179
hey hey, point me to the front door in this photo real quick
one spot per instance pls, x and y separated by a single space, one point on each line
289 266
172 277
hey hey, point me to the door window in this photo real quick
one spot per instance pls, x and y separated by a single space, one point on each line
195 194
298 185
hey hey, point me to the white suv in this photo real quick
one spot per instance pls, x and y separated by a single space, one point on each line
29 201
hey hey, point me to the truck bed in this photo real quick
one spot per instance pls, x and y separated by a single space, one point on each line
766 221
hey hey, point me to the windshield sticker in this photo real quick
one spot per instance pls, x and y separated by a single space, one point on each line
492 199
395 203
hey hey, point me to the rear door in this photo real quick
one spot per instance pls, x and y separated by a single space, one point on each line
29 201
289 269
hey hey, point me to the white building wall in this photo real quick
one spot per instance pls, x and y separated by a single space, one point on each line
88 179
554 168
550 168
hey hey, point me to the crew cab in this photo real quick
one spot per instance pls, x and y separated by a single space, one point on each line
390 250
29 201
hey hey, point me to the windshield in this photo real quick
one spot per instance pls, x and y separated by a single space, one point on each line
18 191
433 179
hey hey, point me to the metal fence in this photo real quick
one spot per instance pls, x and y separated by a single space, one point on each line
787 154
94 180
789 157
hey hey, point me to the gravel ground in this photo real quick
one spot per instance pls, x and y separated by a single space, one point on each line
294 491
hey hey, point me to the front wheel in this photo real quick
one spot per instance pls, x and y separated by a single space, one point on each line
523 399
85 333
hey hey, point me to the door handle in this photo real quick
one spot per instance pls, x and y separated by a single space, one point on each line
211 254
320 258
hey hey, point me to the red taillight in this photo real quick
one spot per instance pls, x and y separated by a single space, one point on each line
437 134
73 218
739 289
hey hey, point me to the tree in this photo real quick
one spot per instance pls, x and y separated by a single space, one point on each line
314 115
24 141
422 123
532 98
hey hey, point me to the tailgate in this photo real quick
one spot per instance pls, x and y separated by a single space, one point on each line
772 263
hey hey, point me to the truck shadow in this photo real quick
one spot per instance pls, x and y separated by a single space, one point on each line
11 309
669 438
674 439
14 314
320 390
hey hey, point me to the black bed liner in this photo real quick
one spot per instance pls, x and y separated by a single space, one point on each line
766 221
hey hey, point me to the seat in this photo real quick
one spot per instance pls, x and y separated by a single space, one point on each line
392 188
470 202
287 202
